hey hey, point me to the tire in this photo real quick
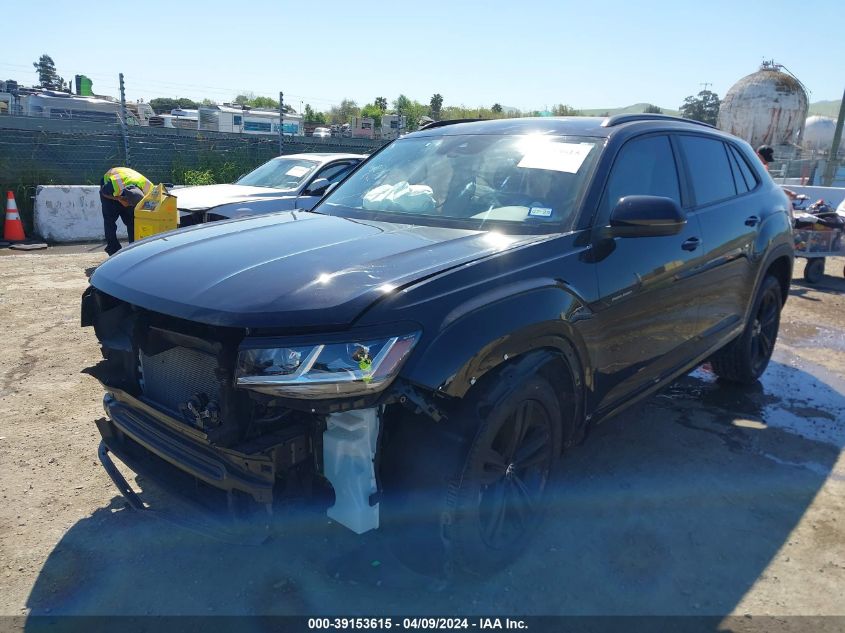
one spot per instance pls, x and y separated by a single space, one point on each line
485 502
744 359
814 270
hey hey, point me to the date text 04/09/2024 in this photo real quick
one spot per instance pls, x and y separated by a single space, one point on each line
430 623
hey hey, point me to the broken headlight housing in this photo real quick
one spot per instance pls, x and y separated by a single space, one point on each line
332 370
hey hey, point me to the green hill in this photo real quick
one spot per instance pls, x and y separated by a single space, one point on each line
825 108
631 109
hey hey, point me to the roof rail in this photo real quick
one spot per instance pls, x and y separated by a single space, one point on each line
619 119
434 124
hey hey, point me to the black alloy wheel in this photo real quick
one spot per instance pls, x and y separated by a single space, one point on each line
746 357
764 330
514 470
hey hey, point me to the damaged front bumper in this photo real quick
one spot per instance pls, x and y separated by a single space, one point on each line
134 428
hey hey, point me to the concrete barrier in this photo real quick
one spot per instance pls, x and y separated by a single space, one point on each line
70 214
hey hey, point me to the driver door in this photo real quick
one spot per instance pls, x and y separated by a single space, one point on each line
647 307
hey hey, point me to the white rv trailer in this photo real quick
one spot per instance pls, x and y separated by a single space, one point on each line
237 120
61 105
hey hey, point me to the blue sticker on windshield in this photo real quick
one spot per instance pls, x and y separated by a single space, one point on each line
540 212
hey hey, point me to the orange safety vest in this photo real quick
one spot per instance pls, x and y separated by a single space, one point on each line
123 177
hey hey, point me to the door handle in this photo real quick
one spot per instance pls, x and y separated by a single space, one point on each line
691 244
752 221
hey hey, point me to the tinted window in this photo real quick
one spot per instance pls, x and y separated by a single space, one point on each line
739 180
335 172
710 172
746 171
646 167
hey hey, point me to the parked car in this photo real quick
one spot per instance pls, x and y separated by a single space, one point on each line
322 132
450 319
292 181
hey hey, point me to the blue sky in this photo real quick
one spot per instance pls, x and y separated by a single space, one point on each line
528 54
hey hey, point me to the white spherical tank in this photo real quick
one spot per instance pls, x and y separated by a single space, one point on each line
765 108
818 133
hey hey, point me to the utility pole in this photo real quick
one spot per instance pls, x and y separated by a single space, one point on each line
281 121
832 163
123 127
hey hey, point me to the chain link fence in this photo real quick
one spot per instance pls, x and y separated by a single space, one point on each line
38 151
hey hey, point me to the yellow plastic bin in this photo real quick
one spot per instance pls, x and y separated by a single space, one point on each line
156 213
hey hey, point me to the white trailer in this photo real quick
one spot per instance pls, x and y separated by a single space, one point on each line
237 120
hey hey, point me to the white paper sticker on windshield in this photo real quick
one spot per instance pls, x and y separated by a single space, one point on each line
540 212
296 171
567 157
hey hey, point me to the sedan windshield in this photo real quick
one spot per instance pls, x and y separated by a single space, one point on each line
528 183
280 173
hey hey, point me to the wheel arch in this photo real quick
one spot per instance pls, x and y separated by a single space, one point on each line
780 266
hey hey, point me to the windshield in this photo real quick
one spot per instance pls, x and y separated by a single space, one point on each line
523 183
280 173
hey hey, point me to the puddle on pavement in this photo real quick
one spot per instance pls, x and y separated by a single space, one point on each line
808 335
803 403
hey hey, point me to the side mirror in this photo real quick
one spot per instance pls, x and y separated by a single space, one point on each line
645 216
317 188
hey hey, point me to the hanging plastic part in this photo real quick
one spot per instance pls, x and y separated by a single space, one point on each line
416 402
349 451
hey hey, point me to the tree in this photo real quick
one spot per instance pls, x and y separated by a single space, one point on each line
704 107
652 109
435 105
381 104
314 117
373 112
163 105
250 100
497 108
47 76
413 111
562 109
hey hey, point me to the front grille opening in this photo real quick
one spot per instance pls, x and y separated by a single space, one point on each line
172 378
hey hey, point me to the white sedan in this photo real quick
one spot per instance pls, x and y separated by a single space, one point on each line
293 181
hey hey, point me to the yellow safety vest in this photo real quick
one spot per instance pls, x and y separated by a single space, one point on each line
123 177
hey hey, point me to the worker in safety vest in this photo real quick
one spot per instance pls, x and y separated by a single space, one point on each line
121 190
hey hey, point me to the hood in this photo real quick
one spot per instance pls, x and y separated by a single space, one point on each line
287 270
210 196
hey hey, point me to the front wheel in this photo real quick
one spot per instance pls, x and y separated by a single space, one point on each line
745 358
487 498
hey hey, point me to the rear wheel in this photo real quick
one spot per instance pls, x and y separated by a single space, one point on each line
745 358
814 271
483 509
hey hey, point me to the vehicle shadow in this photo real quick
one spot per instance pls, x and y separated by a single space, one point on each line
676 507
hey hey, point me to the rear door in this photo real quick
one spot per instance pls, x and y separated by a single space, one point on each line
647 306
721 186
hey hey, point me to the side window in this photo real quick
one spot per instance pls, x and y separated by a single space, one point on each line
739 179
746 171
709 169
335 172
644 166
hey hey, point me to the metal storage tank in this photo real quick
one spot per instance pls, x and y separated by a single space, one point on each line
768 107
818 133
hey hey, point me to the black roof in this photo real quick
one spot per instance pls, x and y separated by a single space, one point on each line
564 126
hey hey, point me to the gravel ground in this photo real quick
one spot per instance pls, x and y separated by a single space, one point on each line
703 500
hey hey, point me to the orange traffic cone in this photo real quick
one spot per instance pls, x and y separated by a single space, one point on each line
13 230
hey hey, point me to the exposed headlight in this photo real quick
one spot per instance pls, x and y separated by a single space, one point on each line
324 371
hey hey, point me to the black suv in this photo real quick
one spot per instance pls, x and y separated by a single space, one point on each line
443 325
